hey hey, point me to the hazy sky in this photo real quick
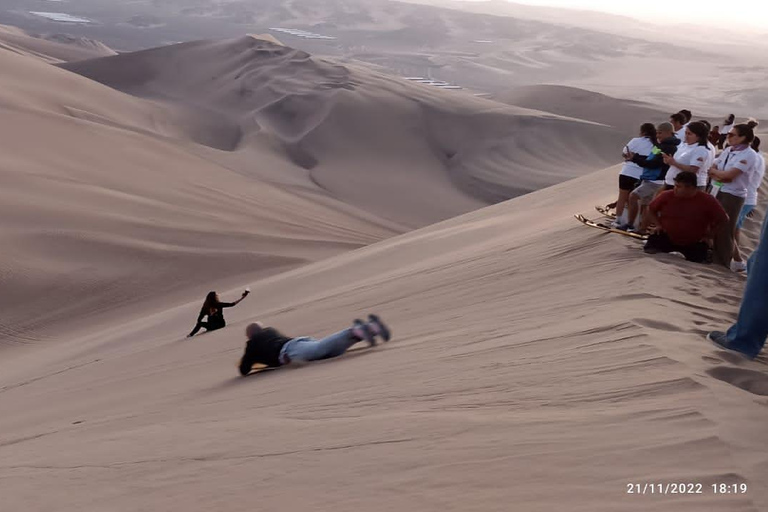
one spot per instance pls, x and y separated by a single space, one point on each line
726 14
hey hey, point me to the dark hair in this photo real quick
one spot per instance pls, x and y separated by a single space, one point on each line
210 301
687 114
752 123
648 130
729 119
756 143
745 131
701 131
705 123
687 178
679 118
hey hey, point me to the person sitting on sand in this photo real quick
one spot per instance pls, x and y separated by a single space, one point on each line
212 308
685 219
654 172
269 347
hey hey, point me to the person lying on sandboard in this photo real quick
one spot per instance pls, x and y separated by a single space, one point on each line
268 346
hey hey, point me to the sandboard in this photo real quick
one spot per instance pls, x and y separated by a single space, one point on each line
602 210
608 229
260 368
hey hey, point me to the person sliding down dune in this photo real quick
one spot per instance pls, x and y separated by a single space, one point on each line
212 308
269 347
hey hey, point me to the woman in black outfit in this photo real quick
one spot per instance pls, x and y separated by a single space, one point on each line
212 308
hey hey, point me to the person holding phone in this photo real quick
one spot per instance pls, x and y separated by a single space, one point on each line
213 309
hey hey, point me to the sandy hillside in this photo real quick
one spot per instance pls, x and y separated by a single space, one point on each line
105 198
54 48
365 137
536 364
190 183
622 114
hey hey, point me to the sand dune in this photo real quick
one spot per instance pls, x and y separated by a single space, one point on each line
413 141
536 362
622 114
54 48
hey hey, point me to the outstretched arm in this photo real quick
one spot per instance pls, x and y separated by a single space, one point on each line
238 301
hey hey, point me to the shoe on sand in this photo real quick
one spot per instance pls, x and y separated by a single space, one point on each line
368 335
720 340
380 327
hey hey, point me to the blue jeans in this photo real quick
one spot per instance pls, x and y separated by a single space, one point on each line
749 332
311 349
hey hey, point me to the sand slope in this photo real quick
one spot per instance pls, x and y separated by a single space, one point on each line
53 48
622 114
364 136
104 198
537 364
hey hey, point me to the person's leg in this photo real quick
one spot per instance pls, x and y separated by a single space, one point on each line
311 349
749 332
723 249
634 207
696 253
745 210
658 242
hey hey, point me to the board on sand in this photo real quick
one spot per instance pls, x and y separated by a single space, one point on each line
602 210
607 228
259 368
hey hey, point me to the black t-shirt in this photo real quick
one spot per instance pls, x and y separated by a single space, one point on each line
265 347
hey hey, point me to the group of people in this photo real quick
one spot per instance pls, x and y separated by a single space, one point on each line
271 348
692 183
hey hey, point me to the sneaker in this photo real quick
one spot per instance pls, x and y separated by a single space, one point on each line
365 330
626 227
738 266
380 327
720 340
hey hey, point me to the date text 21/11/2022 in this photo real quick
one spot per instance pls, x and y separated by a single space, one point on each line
686 488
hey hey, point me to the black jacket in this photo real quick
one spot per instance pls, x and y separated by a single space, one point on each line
265 347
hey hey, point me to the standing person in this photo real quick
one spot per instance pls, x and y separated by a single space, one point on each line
213 309
630 174
714 136
733 169
654 172
678 123
738 265
727 125
685 218
747 336
268 346
693 156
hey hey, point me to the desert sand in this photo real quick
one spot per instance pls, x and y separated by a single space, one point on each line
536 364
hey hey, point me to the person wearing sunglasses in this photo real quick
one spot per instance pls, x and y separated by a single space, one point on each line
733 169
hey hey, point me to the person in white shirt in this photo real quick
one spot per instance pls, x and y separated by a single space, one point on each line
679 124
750 202
692 156
731 175
727 125
629 178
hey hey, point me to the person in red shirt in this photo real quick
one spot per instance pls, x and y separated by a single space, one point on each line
685 218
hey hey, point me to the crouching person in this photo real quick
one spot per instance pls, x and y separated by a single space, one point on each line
268 346
686 219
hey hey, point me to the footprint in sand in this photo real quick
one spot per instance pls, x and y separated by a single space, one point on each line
655 324
749 380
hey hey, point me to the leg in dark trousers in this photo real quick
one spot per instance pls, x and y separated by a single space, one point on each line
724 236
696 253
658 242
